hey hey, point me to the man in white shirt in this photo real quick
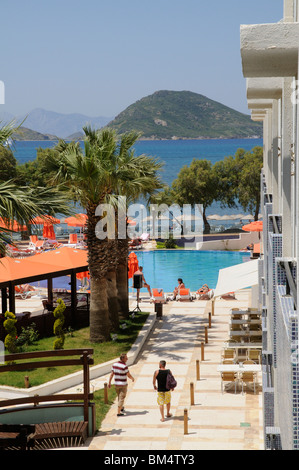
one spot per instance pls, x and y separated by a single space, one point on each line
120 372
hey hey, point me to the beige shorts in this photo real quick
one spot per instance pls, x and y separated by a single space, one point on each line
121 394
163 398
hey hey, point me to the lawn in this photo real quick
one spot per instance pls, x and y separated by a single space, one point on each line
103 352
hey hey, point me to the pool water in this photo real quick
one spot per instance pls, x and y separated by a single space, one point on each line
162 268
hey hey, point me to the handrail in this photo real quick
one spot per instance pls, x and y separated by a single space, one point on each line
55 352
85 360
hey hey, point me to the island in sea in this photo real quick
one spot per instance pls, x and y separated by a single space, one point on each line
165 115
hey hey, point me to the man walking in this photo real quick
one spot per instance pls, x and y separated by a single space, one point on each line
120 372
164 395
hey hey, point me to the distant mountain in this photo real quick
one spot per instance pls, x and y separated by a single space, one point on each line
27 134
184 115
61 125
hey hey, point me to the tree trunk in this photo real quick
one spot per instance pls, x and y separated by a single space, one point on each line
99 263
122 286
99 317
113 305
257 207
207 227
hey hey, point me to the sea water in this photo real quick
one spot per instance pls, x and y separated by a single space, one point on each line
174 154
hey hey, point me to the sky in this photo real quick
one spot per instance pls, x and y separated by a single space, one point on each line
99 56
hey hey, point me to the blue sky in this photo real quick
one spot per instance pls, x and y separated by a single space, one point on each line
99 56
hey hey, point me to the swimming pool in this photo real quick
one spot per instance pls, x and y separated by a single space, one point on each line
162 268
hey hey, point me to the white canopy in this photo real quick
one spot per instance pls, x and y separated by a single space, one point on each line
237 277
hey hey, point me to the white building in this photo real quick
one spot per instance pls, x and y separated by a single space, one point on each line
270 64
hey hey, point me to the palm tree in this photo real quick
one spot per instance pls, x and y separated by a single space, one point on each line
106 168
24 203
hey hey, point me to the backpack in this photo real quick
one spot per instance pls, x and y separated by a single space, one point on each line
171 383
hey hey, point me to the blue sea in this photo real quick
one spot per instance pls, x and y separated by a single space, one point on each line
173 153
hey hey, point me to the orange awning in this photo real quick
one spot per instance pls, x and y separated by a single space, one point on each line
49 264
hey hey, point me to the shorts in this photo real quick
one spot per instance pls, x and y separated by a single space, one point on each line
164 398
121 392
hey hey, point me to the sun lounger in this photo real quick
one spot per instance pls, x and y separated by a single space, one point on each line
184 294
206 295
158 296
73 239
23 292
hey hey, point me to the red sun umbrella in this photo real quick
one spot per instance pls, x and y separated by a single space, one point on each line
15 226
78 220
253 226
83 275
131 222
48 232
46 219
132 265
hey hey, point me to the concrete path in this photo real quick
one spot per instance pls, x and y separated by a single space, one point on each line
216 421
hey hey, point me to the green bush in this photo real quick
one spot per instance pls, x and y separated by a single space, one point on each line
170 243
11 338
58 325
28 335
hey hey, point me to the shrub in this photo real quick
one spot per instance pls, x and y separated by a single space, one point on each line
28 335
58 325
170 243
11 338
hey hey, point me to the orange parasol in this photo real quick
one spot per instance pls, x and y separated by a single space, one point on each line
132 264
83 275
46 219
253 226
131 222
15 226
79 220
48 232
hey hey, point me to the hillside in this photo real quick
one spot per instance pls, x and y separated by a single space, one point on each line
52 123
24 133
183 114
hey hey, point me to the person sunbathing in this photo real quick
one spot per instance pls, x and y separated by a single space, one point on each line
203 290
176 291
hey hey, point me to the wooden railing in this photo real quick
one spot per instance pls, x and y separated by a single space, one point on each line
63 357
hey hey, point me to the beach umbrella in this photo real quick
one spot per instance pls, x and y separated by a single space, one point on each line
132 264
187 217
214 217
237 216
83 275
15 226
253 226
78 220
48 232
131 222
46 219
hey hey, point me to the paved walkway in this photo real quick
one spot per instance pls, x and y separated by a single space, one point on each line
216 421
